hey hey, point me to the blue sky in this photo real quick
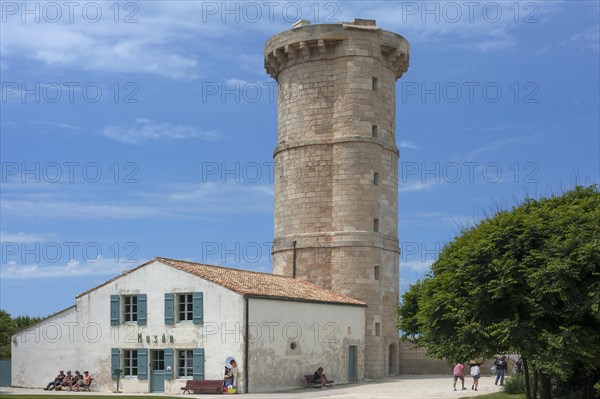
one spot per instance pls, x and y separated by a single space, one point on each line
146 128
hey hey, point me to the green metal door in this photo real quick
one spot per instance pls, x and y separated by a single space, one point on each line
352 363
157 371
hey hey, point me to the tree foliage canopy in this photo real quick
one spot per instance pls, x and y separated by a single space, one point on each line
526 280
9 326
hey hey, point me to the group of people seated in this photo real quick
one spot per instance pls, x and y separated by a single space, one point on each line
69 380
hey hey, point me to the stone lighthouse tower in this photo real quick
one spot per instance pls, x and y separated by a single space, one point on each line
336 168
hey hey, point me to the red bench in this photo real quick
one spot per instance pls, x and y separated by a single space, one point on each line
196 386
86 388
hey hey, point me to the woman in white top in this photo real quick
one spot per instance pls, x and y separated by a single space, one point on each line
475 373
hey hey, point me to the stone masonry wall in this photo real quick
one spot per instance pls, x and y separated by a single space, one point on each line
336 168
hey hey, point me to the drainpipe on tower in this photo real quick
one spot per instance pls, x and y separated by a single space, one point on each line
294 259
246 342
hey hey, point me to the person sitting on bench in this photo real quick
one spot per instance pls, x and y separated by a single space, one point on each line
66 382
84 382
57 381
76 378
320 378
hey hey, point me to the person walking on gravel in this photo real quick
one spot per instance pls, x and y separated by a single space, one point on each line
501 367
458 374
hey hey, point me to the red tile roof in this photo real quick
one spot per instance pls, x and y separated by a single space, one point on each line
253 284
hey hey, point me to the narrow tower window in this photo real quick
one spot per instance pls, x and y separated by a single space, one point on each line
374 83
377 329
376 225
375 179
375 130
376 272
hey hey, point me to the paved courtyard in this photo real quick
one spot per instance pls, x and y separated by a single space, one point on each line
405 387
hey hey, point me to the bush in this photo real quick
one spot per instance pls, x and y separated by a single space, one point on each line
514 384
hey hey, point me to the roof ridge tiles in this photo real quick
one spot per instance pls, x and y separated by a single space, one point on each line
250 283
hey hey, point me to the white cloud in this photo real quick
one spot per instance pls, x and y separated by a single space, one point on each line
416 186
483 27
417 266
186 200
174 39
235 81
21 237
143 46
586 40
411 20
146 130
72 209
408 144
494 146
73 268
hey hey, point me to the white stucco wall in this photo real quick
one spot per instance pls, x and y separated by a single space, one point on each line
81 337
40 351
322 333
223 309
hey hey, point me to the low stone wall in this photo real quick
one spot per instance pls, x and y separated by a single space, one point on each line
414 361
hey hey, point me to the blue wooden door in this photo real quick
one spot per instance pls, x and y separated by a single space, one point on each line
157 371
352 363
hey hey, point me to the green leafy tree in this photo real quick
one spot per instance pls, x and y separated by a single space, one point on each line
22 322
9 326
525 280
7 329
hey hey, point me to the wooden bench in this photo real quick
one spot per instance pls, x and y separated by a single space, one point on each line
203 385
310 382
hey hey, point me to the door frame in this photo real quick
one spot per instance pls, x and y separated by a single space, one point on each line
352 363
157 375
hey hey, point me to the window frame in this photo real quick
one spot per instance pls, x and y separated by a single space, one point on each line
189 307
130 310
157 362
131 356
188 360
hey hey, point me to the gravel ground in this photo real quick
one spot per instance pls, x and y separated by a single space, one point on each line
404 387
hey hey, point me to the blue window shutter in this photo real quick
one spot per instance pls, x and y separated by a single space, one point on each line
198 359
198 304
142 363
114 310
169 308
141 309
169 366
115 361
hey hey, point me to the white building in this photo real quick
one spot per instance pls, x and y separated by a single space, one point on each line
167 321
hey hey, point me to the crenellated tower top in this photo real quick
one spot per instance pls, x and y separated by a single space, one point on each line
306 42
